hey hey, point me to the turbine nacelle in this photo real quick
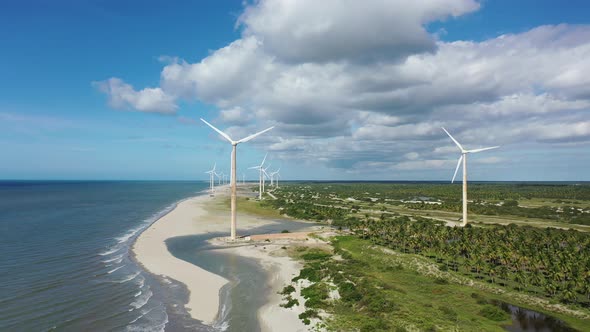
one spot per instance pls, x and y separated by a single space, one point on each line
229 139
464 152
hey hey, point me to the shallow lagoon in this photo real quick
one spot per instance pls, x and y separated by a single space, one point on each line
248 288
525 320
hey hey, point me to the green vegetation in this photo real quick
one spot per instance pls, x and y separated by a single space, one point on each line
290 302
503 203
545 262
252 207
288 290
378 293
405 270
381 291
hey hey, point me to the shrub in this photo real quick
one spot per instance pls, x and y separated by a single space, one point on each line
288 290
309 313
308 273
377 303
374 324
449 312
348 292
315 295
290 302
316 255
441 281
494 313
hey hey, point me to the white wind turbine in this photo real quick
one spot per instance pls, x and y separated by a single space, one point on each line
264 177
211 177
233 171
464 159
261 176
272 177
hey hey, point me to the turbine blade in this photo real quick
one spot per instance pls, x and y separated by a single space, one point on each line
454 140
254 167
457 169
263 160
226 136
483 149
246 139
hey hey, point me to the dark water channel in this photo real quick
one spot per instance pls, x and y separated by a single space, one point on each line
248 288
525 320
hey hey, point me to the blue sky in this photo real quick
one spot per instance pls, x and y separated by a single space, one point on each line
365 102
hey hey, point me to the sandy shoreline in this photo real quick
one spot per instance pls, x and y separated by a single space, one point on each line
191 217
150 250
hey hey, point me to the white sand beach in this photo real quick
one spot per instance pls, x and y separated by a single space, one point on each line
193 217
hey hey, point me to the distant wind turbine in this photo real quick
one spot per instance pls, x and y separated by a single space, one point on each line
233 171
464 159
261 176
272 177
264 177
211 177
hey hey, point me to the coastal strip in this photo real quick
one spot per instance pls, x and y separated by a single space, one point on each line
188 218
201 215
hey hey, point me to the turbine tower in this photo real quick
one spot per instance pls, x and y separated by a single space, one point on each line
233 196
272 177
260 170
211 177
264 177
464 159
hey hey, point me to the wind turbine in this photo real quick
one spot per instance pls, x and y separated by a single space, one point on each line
264 176
464 159
211 179
272 176
243 178
259 168
233 196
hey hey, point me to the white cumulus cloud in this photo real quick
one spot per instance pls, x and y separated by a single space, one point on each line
123 96
355 83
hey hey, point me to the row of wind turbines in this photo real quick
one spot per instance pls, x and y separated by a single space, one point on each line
263 172
221 177
272 176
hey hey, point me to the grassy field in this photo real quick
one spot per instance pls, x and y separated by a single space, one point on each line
538 202
247 204
475 218
390 293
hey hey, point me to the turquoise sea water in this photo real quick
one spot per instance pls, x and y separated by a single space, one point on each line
65 262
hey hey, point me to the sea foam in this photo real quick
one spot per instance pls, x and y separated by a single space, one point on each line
115 269
141 300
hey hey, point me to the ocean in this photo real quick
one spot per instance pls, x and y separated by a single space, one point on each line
65 262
